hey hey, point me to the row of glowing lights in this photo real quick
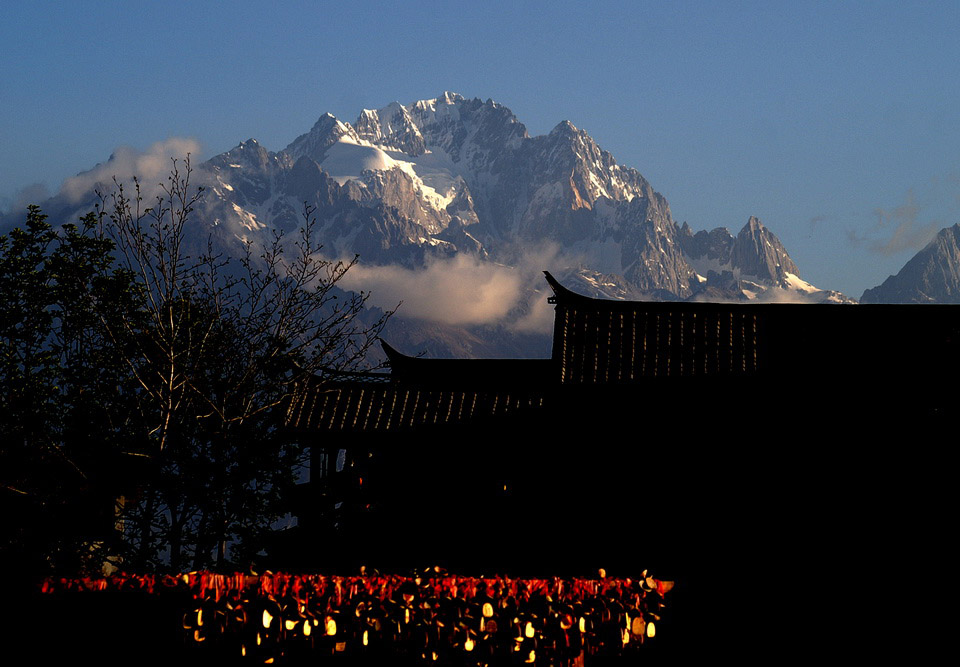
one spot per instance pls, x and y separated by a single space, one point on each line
636 627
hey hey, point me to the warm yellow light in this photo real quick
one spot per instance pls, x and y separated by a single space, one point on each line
583 624
366 637
267 618
638 626
200 616
528 630
307 629
289 625
651 629
258 639
243 651
468 645
331 627
197 637
434 656
487 610
406 615
625 636
532 656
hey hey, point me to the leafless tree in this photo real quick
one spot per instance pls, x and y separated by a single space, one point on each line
219 346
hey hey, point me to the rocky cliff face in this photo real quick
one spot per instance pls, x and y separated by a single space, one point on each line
931 276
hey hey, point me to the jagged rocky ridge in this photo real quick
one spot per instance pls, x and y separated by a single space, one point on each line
452 175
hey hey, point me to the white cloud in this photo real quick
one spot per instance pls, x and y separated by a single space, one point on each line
463 290
151 167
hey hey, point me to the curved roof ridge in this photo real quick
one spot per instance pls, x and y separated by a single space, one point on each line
561 293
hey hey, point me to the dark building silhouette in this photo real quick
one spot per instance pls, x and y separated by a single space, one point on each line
777 460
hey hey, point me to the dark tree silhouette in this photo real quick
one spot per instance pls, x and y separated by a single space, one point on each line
225 343
119 346
65 395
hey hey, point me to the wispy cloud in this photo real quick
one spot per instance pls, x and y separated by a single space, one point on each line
897 229
151 167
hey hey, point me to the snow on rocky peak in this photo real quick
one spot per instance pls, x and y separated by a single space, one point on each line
327 131
454 175
391 126
753 264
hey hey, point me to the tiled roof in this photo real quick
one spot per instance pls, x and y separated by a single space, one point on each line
374 407
602 342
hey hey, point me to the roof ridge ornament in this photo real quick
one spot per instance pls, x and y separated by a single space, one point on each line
560 293
392 353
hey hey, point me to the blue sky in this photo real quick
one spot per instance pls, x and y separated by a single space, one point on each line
834 122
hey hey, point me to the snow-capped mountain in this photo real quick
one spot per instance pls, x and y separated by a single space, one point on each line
451 175
461 181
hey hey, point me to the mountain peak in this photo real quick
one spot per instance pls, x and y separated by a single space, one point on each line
391 126
760 253
931 276
325 122
447 99
327 131
748 263
248 152
565 127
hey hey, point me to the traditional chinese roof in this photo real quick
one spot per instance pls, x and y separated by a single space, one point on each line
651 345
611 342
603 342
